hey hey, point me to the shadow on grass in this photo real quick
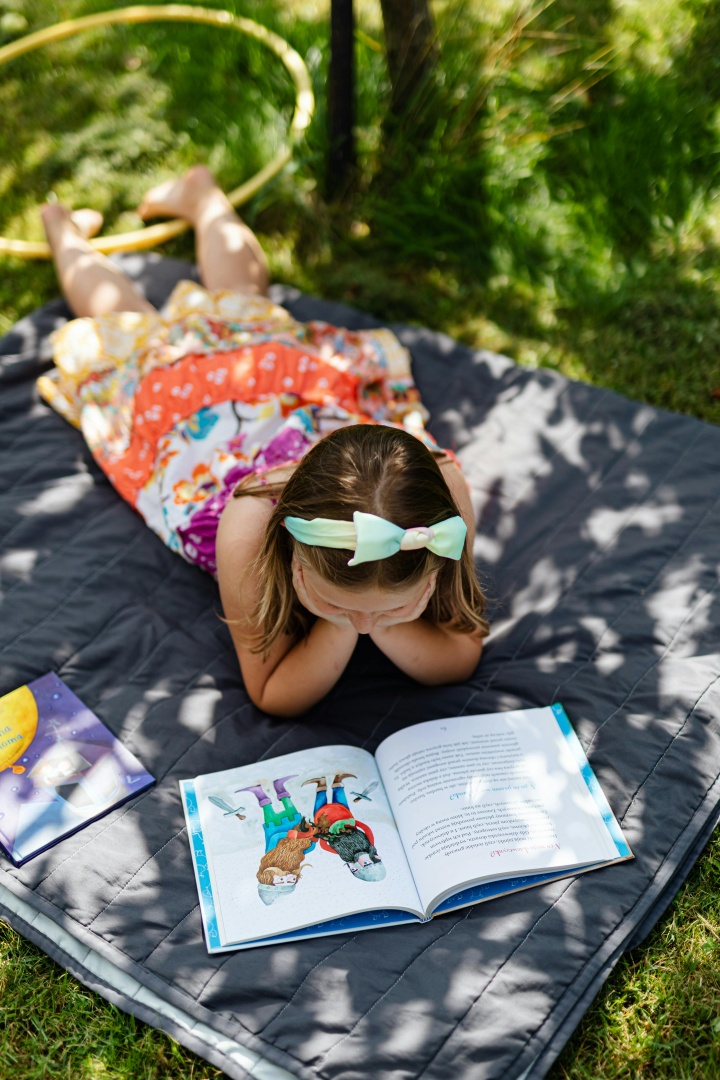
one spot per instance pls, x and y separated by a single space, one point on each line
655 339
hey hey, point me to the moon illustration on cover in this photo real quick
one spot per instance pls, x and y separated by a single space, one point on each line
19 712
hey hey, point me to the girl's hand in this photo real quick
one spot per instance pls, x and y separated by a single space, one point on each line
410 612
302 595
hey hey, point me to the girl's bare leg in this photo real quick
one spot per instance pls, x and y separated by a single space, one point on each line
228 252
91 284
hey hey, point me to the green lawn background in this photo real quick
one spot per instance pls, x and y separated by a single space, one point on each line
552 194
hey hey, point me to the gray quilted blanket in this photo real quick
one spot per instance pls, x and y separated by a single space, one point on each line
598 539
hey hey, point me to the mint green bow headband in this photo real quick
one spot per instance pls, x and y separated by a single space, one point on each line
372 537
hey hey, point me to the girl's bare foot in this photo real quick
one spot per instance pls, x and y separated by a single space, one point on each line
228 252
91 284
179 198
86 222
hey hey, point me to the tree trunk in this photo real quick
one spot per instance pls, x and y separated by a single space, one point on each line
341 98
410 47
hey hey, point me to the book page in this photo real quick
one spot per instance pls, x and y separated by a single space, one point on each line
480 798
257 878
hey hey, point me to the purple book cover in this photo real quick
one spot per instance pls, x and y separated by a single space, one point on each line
60 767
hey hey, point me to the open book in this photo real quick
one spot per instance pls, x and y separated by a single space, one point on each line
446 814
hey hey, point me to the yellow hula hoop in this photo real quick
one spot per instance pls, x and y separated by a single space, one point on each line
158 234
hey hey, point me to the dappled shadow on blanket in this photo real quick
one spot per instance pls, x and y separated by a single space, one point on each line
598 534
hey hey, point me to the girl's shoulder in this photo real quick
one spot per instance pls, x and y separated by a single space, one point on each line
460 491
242 528
454 476
273 478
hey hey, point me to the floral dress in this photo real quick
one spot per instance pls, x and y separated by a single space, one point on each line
179 406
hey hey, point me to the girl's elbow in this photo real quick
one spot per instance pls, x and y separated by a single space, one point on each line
473 659
276 704
462 668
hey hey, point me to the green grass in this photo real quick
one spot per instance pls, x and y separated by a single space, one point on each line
553 195
658 1015
54 1027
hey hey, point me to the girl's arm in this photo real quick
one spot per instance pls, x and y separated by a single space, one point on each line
428 653
292 676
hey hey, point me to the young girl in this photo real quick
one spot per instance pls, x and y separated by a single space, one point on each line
346 518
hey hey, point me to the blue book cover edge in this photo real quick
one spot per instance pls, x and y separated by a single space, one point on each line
202 870
591 781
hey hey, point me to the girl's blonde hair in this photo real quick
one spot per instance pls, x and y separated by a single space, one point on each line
379 470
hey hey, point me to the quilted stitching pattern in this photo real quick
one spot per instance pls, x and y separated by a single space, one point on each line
599 527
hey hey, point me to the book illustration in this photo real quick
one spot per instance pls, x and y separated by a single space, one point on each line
339 832
60 767
230 811
282 863
366 793
289 835
18 724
